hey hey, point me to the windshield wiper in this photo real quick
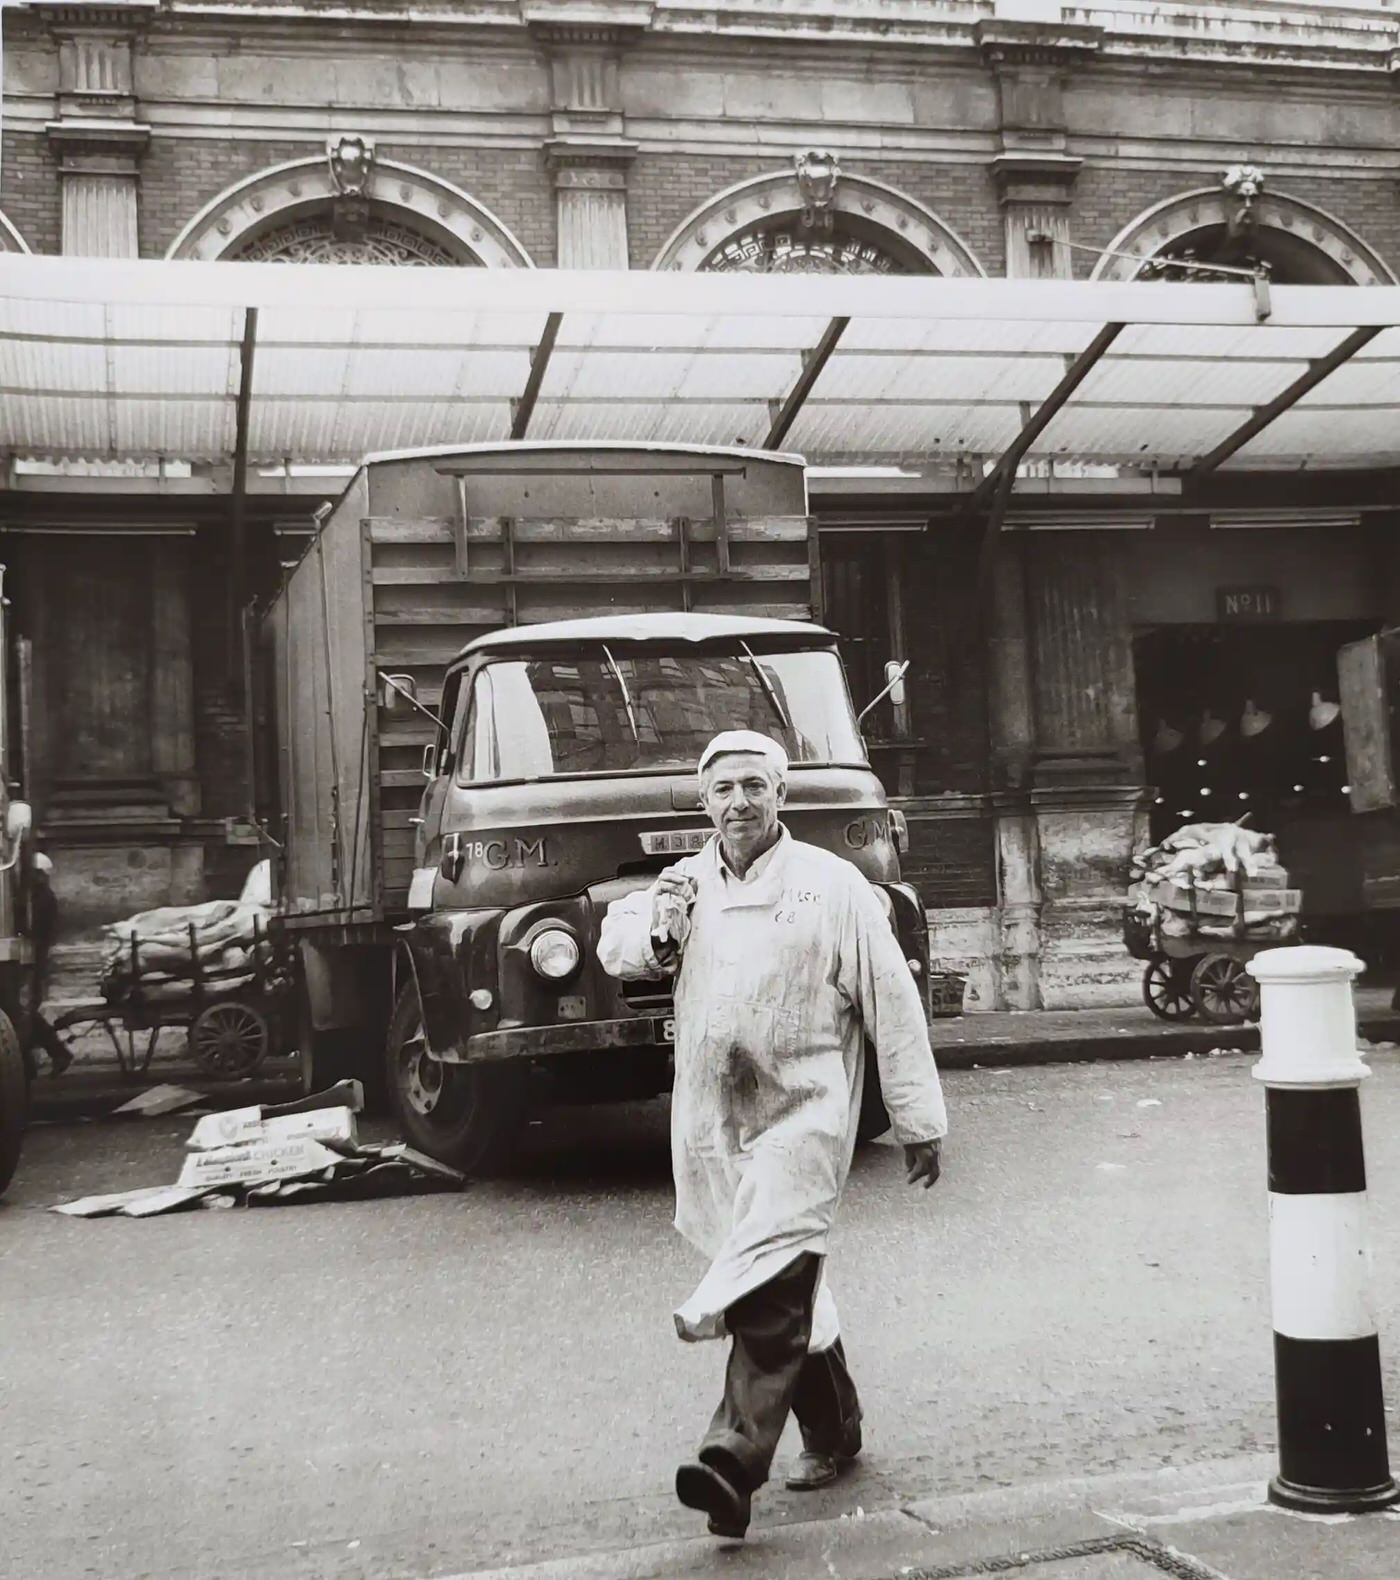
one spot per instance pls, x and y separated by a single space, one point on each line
767 685
626 695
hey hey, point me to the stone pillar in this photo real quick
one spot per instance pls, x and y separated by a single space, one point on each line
590 186
1011 732
588 152
1086 769
1034 173
97 139
172 677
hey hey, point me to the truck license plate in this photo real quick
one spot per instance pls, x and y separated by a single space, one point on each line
666 1029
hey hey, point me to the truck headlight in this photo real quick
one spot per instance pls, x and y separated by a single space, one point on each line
554 954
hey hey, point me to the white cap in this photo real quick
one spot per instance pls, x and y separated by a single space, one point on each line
745 741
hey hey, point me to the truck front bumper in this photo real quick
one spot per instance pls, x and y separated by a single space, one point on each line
583 1036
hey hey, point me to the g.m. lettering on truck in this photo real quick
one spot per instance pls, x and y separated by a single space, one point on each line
473 763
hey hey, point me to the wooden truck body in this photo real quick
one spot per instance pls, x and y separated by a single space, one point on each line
490 677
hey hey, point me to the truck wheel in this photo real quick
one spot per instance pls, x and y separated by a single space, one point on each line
343 1055
467 1116
14 1099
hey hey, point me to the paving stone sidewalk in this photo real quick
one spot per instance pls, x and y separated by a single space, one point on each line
1199 1522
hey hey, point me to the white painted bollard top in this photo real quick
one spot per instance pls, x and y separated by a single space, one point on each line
1307 1019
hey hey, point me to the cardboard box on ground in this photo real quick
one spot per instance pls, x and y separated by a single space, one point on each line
300 1150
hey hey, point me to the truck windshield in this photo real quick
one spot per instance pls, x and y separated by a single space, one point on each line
618 712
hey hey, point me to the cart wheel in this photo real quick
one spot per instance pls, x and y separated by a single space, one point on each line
1166 989
230 1040
1223 991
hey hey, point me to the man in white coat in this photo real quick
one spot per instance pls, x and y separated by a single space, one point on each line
784 963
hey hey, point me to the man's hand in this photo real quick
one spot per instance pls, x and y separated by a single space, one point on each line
672 896
921 1159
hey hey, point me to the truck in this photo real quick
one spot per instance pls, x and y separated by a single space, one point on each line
486 684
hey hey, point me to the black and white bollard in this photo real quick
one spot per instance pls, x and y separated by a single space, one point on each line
1333 1455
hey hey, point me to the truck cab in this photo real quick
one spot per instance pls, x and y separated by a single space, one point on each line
563 777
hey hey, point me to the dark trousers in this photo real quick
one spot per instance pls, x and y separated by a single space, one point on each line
770 1373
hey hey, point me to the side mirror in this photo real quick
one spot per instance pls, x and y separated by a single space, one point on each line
19 819
893 688
894 679
430 762
398 692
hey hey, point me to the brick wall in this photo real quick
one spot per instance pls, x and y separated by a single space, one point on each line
1369 206
29 190
179 175
951 860
512 182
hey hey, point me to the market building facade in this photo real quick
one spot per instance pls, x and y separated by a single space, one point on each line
1148 651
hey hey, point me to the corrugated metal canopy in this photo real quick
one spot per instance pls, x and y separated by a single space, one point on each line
140 360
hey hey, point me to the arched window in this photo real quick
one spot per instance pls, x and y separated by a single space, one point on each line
378 239
349 207
1238 225
816 219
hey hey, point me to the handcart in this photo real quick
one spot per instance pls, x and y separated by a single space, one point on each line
1199 974
233 1017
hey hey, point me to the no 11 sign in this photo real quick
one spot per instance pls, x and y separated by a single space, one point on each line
1247 603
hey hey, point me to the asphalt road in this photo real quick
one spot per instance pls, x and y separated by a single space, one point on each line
435 1384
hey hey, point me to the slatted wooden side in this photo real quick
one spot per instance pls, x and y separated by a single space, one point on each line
522 571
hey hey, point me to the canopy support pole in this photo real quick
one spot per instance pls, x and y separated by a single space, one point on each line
238 498
523 409
812 364
1317 370
1049 408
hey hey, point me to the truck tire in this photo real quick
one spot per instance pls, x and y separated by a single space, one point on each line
467 1116
14 1099
342 1055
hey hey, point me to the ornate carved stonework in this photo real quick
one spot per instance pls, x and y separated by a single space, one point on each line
1031 61
351 161
96 137
588 152
785 249
303 191
584 179
1245 183
817 176
1034 175
584 163
757 226
316 241
1298 243
590 192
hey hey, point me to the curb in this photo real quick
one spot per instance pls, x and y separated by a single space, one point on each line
94 1091
1168 1043
1030 1528
99 1086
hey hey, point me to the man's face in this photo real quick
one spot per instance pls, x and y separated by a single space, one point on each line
742 797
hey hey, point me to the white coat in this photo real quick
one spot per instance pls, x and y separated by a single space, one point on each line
783 975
